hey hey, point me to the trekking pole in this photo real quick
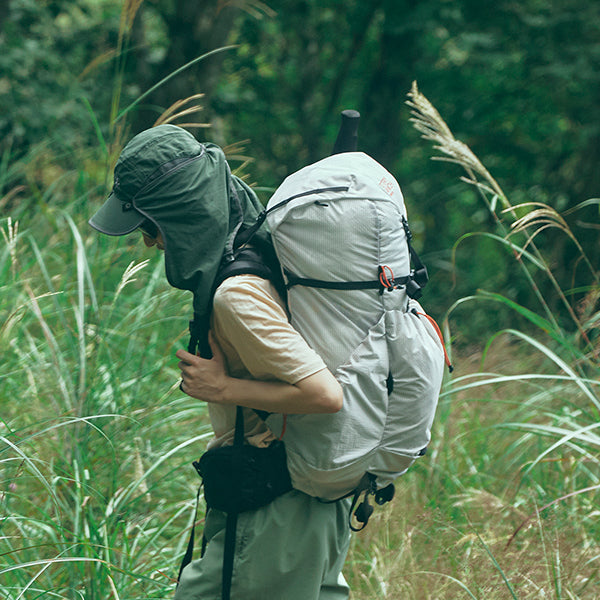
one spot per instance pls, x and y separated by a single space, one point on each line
347 138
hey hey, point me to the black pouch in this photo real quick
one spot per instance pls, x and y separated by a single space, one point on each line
242 477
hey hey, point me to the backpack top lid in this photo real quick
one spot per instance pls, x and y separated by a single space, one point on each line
338 222
363 177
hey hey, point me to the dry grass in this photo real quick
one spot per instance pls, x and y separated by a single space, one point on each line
466 523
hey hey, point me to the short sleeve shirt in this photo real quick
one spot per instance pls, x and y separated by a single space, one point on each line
251 325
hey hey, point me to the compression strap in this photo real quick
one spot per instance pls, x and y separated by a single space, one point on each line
439 333
376 284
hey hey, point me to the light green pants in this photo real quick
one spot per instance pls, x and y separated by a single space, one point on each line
292 549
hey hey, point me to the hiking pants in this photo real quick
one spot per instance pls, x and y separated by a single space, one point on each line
291 549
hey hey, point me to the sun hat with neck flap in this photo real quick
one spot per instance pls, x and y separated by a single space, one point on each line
187 190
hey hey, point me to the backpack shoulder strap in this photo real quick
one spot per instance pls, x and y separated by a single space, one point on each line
248 260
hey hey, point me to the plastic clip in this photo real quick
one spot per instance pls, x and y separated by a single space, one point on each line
421 276
385 494
413 289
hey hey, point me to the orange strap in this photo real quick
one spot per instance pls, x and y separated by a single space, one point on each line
386 282
284 427
437 330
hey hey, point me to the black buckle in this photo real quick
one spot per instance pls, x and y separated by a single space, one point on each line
363 512
413 289
421 276
385 494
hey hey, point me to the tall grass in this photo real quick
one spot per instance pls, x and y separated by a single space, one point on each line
94 441
96 490
567 393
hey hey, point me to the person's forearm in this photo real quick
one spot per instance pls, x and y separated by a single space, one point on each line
315 394
207 380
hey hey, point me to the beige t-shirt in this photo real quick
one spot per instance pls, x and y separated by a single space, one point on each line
250 323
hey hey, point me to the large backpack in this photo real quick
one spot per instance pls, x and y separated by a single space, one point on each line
340 232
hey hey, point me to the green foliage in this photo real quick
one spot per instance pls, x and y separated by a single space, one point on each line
517 82
92 436
44 49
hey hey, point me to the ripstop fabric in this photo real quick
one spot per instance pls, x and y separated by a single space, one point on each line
340 220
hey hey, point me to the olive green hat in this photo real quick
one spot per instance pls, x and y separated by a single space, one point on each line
142 163
187 190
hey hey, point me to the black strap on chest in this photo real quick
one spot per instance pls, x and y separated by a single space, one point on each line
232 517
249 260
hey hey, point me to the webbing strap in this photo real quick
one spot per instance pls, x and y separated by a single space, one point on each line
198 344
228 555
189 551
293 280
231 523
418 275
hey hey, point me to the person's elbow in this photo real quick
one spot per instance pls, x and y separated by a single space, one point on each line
323 392
333 400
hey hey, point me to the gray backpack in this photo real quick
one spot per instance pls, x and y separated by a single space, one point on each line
340 232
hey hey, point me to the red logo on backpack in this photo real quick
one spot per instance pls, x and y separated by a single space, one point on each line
387 186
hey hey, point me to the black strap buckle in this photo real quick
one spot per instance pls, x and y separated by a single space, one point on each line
362 513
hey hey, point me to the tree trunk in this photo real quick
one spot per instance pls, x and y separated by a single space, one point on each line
194 28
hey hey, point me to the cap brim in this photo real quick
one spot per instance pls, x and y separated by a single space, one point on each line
113 220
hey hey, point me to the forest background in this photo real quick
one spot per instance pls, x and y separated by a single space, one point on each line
87 335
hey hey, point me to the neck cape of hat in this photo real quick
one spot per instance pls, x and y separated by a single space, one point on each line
186 188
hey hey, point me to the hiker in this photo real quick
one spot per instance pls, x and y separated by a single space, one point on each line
182 197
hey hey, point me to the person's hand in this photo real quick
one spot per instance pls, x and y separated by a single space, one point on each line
203 379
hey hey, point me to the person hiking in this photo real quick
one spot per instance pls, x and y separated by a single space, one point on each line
180 194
